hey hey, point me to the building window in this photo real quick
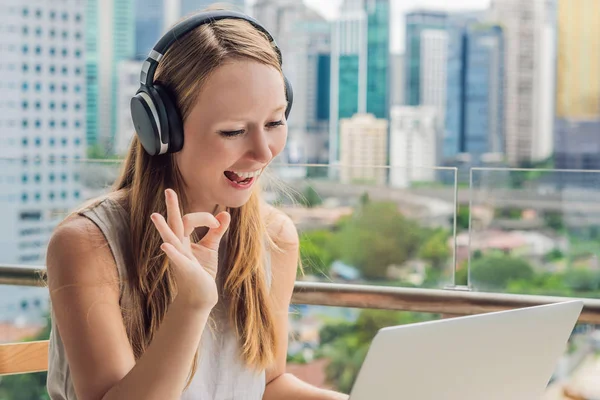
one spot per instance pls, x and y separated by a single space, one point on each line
52 123
38 87
52 15
77 88
51 195
77 71
37 178
65 52
24 105
65 16
24 86
38 68
78 35
38 31
38 142
24 197
77 141
52 105
63 160
25 12
25 67
52 69
64 105
38 50
25 30
52 177
38 196
24 124
63 195
64 141
38 123
65 34
63 177
38 13
52 51
78 17
38 105
64 87
77 124
25 49
52 33
78 106
76 177
78 53
24 178
52 87
76 194
63 123
64 70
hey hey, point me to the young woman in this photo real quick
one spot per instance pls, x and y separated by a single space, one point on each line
177 283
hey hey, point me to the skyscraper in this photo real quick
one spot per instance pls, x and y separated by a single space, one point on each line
110 39
360 64
363 144
42 120
303 37
529 42
149 25
577 136
189 6
475 104
418 23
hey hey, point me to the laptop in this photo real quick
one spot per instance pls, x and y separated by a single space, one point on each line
506 355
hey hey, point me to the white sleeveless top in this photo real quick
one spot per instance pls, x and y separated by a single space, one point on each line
221 374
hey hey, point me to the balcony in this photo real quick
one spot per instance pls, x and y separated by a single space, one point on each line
436 248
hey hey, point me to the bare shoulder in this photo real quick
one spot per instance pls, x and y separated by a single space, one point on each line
78 253
280 227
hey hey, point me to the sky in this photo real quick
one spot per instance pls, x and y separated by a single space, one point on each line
329 9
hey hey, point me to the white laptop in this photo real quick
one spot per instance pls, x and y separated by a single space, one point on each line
507 355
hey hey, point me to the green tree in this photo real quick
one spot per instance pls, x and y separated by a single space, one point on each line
462 218
26 386
311 198
316 252
496 271
376 236
436 250
346 344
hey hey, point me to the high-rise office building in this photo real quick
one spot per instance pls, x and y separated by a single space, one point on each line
363 146
475 95
397 80
303 37
128 75
42 120
149 25
577 136
360 64
189 6
413 145
110 39
425 30
529 60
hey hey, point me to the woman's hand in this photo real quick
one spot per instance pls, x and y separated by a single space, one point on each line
194 265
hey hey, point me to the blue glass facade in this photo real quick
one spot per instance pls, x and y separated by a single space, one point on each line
190 6
475 91
378 58
149 21
323 86
416 22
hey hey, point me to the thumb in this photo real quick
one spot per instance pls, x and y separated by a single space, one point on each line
212 239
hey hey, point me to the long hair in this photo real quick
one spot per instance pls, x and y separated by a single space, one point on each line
183 70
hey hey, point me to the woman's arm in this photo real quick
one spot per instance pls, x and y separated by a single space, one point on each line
84 290
284 264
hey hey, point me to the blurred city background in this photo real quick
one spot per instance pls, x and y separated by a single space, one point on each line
432 144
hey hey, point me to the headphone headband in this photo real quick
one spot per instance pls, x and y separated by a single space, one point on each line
154 112
186 26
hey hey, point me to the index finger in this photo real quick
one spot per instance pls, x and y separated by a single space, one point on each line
195 220
173 213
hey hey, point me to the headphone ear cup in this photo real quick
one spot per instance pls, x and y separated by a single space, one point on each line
173 118
146 120
289 95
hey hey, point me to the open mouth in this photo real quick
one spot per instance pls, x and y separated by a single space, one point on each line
242 178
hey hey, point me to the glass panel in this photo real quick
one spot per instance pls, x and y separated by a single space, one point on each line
355 227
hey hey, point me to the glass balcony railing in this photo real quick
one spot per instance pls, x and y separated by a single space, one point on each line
379 246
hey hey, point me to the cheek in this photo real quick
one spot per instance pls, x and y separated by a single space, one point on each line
278 143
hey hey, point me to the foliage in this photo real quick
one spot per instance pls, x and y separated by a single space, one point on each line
496 271
436 249
346 344
462 218
26 386
310 198
316 252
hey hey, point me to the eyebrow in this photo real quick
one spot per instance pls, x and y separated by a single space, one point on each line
281 107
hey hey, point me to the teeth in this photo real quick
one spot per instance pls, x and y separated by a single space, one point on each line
246 175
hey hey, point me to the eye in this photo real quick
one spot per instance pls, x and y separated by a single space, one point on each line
231 133
275 124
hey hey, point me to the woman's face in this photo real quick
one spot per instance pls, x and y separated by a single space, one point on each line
234 130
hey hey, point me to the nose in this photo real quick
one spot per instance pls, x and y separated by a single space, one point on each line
261 146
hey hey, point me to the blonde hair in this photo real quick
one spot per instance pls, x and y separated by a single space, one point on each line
184 69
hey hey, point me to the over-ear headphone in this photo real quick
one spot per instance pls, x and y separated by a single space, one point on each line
155 115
